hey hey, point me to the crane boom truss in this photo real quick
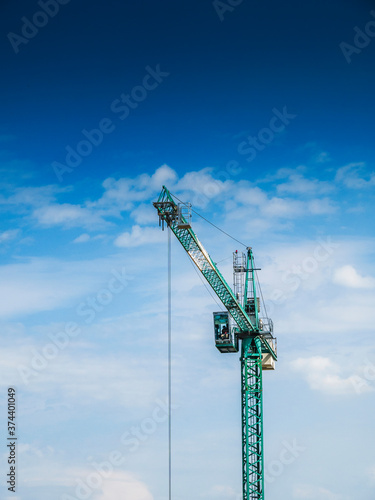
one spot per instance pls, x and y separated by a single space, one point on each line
168 211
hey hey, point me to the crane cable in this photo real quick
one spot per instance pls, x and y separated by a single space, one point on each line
212 224
169 366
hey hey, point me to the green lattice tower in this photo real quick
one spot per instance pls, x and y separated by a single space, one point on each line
252 420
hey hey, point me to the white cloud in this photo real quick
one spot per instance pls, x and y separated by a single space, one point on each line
32 196
200 187
321 206
285 207
221 491
203 183
350 176
82 238
46 284
67 215
322 157
163 175
323 375
347 276
42 466
282 173
121 194
310 492
144 214
298 184
282 207
86 376
9 235
27 289
140 236
122 485
371 473
250 195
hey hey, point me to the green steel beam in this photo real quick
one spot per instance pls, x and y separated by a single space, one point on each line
251 269
246 281
252 420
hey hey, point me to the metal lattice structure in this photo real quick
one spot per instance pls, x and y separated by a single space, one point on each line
258 350
252 420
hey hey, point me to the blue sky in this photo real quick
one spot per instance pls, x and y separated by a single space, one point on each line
261 115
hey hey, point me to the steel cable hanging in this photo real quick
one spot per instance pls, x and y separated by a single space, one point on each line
169 366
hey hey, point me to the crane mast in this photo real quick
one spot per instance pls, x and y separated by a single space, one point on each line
240 324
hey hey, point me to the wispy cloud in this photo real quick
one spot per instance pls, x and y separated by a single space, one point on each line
139 236
292 206
348 276
314 492
68 215
355 176
324 375
9 235
44 284
31 196
124 485
300 185
82 238
44 466
121 194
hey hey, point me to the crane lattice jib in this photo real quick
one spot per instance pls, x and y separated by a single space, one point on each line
168 211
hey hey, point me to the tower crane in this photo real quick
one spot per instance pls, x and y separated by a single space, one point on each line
240 327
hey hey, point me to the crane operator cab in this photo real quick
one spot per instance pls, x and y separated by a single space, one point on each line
225 339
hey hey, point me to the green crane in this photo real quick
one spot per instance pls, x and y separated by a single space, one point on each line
241 323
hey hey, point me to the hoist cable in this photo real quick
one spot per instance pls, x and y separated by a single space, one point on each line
169 366
222 260
212 224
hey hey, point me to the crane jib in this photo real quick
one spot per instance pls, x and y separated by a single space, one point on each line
168 212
